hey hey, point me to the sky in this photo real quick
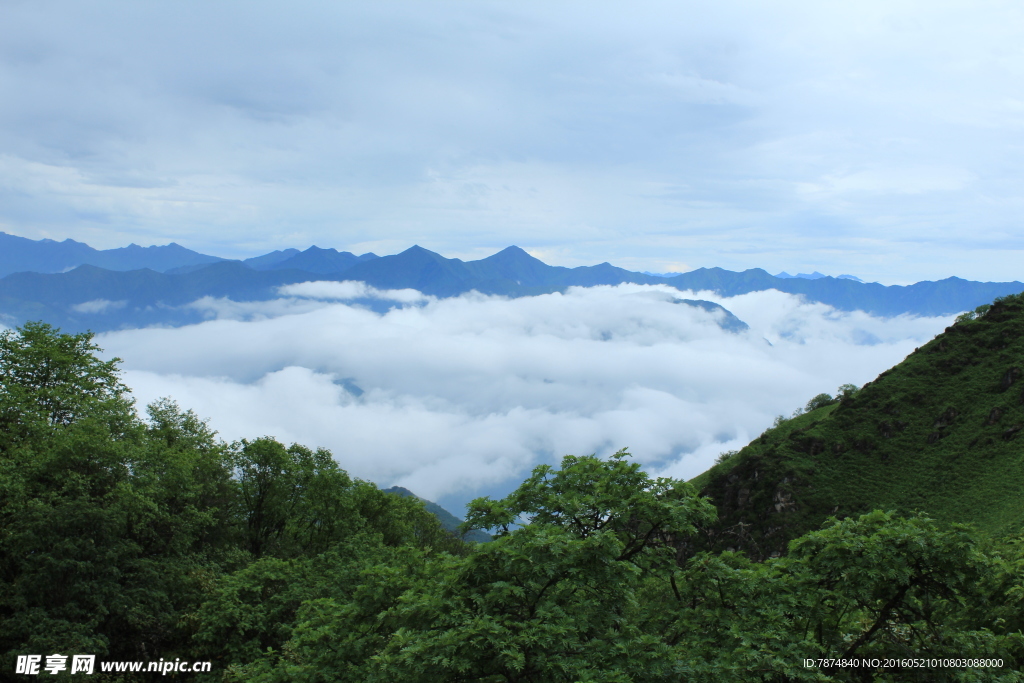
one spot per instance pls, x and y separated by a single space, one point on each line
881 139
461 397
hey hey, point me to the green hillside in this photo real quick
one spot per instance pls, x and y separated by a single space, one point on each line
938 433
447 519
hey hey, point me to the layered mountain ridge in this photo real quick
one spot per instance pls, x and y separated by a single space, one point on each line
126 292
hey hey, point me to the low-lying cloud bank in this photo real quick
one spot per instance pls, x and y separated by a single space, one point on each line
451 397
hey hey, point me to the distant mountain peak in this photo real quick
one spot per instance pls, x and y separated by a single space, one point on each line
803 276
417 250
512 254
815 276
447 519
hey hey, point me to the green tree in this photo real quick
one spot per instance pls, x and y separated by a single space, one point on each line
555 598
877 586
106 524
50 380
819 401
846 392
313 534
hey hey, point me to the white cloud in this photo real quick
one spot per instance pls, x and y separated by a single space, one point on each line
350 289
906 180
98 306
459 395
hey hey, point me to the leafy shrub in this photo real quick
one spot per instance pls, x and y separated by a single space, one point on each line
846 391
725 456
819 401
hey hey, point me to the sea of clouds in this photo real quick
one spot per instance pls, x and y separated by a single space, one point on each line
453 398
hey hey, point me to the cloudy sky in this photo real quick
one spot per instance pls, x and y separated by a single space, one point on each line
461 397
879 138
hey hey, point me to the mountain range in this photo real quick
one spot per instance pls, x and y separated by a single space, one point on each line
19 254
817 276
73 286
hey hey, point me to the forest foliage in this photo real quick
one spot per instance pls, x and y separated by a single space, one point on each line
143 538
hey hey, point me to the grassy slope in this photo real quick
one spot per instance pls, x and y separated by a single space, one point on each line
940 432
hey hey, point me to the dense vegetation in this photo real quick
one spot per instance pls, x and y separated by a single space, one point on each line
142 539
